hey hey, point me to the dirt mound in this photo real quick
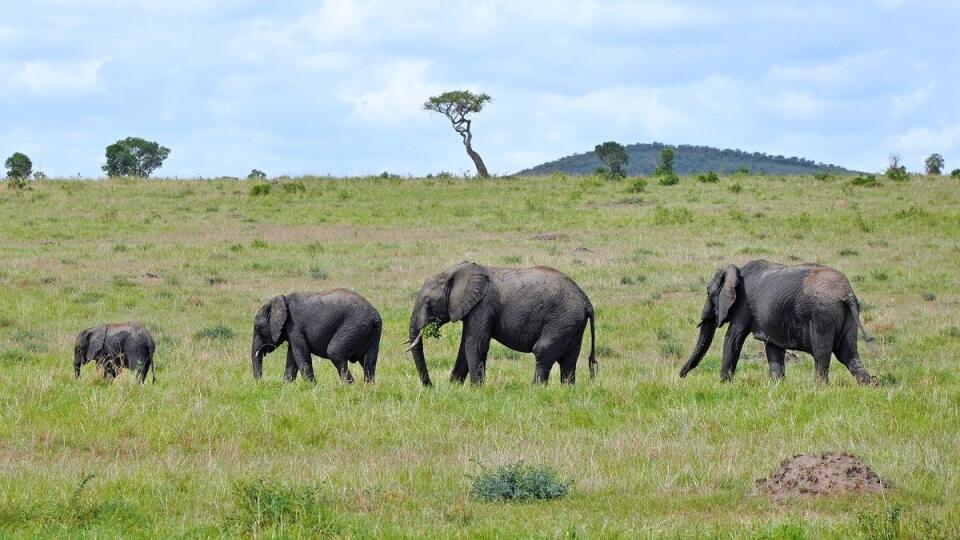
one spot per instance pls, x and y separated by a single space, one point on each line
829 473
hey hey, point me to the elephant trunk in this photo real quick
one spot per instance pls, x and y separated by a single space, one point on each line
256 357
707 329
77 362
417 322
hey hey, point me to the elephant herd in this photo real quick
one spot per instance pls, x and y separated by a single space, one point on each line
807 307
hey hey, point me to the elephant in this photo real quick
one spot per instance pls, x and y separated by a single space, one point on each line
115 346
339 325
806 307
538 310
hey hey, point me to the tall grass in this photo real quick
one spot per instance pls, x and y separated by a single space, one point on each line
649 454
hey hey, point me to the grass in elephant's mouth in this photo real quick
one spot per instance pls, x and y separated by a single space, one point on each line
650 455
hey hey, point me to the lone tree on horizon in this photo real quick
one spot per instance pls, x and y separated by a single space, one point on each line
614 156
134 156
456 105
934 164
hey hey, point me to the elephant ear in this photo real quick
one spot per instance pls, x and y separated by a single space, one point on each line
97 339
278 316
465 288
728 293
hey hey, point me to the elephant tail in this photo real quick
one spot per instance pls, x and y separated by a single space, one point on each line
593 355
153 366
854 304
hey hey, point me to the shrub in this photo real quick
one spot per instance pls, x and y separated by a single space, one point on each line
822 176
519 482
217 331
318 273
293 187
955 174
881 525
865 181
735 188
257 190
672 216
709 178
639 185
898 174
668 179
277 511
257 174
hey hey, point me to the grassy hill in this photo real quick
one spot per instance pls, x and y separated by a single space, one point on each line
208 452
688 160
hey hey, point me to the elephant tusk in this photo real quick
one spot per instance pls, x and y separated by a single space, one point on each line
415 342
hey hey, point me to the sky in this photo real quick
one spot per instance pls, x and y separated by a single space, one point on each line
337 86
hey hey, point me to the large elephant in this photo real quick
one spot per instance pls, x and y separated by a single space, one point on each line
807 307
113 347
339 325
538 310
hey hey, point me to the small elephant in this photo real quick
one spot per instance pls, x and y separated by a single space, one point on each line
339 325
115 346
807 307
538 310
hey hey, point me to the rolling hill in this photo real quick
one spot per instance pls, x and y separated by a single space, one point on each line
688 160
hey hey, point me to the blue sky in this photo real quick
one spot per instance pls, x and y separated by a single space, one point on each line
335 86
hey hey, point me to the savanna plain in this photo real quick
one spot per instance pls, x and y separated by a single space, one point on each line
208 452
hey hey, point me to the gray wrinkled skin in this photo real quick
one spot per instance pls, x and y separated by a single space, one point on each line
538 310
114 347
807 307
339 325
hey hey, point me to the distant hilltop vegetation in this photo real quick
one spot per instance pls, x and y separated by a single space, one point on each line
688 160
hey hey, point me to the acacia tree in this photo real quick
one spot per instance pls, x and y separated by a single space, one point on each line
456 105
934 164
614 156
134 156
665 167
18 166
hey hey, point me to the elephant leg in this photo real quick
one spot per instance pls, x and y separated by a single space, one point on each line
775 360
370 359
547 351
732 345
848 355
476 343
822 350
568 364
301 355
290 372
460 369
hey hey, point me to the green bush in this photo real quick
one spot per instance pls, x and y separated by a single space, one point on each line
668 179
218 331
257 174
735 188
708 178
865 181
260 189
19 168
293 187
269 510
519 482
823 176
639 185
898 174
955 173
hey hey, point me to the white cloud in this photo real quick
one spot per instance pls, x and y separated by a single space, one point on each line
841 70
795 105
58 77
639 106
926 140
7 33
400 94
909 102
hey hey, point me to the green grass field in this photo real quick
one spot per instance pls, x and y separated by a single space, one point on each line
649 454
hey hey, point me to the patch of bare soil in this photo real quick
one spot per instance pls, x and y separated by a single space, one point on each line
830 473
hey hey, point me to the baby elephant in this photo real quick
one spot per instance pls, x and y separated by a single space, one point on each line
339 325
807 307
115 346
